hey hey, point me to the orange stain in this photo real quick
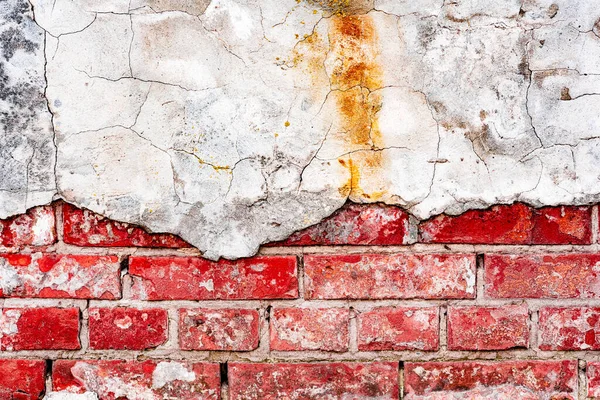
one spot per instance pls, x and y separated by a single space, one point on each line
353 75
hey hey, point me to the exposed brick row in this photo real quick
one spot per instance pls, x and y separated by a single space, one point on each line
354 224
24 379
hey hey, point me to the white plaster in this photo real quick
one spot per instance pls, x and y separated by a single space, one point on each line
169 371
235 123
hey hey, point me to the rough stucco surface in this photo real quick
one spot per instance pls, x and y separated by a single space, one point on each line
235 123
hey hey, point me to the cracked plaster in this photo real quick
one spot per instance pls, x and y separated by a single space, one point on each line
235 123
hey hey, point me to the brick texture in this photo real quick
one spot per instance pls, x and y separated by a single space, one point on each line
357 224
491 304
39 329
118 379
171 278
35 228
310 329
22 379
488 328
491 380
85 228
390 328
516 224
313 381
576 328
382 276
60 276
122 328
218 329
543 276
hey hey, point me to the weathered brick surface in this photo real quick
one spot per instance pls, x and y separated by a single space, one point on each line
573 328
313 381
314 325
404 328
22 379
357 224
515 224
310 329
169 278
39 329
123 328
60 276
491 380
488 328
593 379
382 276
85 228
218 329
121 379
543 276
35 228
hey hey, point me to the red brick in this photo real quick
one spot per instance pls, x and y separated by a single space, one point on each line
39 329
543 276
123 328
60 276
390 276
491 380
218 329
562 225
310 329
576 328
120 379
313 381
498 225
390 328
37 227
85 228
514 224
22 379
194 278
593 379
357 224
488 328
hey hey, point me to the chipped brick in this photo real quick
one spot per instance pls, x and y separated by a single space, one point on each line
123 328
22 379
575 328
313 381
357 224
194 278
514 224
389 276
488 328
491 380
218 329
39 329
60 276
310 329
86 228
403 328
116 379
37 227
542 276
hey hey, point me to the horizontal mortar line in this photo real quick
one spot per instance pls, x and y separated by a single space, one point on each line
420 248
359 304
303 356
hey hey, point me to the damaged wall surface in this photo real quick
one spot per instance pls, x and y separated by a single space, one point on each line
235 123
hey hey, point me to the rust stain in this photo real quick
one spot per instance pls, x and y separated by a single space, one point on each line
346 62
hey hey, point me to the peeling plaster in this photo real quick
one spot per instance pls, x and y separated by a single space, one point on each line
236 123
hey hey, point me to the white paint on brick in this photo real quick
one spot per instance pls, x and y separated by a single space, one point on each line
170 371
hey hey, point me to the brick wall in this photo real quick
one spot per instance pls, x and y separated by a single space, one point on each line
502 303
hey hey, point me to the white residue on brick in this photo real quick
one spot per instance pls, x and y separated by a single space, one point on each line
167 372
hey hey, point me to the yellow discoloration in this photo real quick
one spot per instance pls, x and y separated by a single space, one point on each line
352 48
